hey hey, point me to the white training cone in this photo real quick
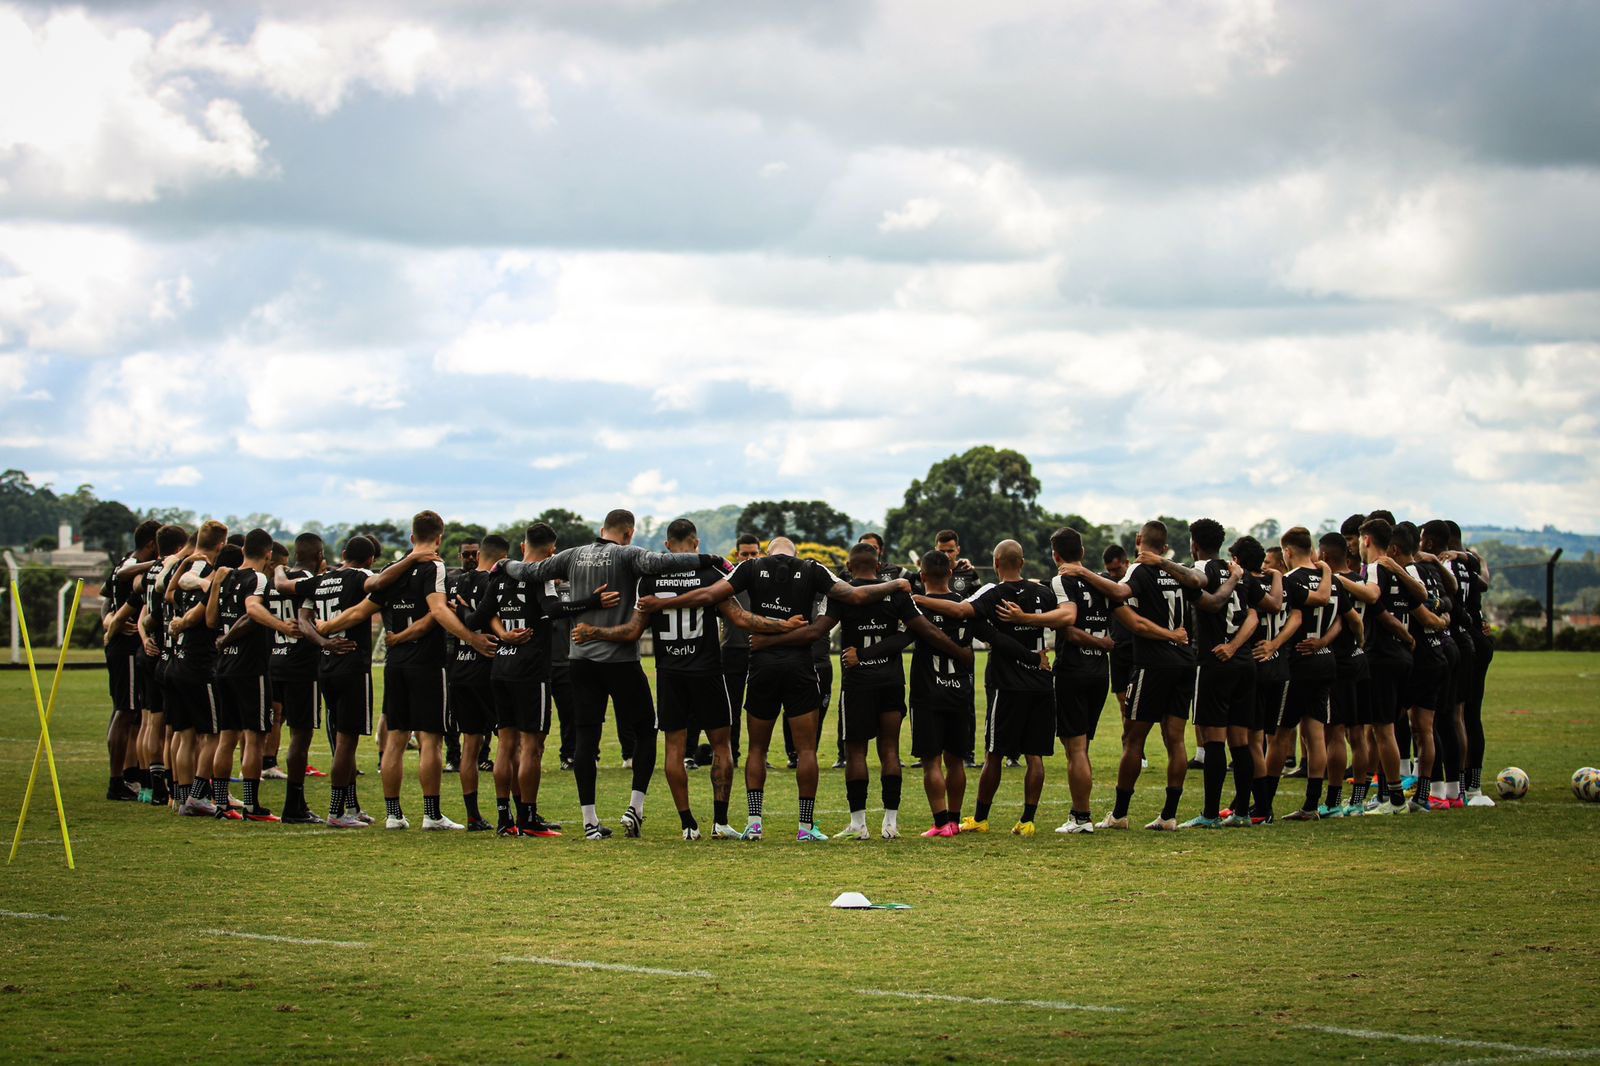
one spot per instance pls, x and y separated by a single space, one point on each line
853 901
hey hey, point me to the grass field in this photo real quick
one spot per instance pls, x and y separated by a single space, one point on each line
1474 934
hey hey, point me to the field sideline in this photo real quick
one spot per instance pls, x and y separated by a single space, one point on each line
1463 936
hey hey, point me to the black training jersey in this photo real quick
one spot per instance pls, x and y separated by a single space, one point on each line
1258 587
1393 600
938 677
1345 647
467 667
293 658
519 605
1094 618
1471 597
120 592
1219 627
160 613
877 631
963 583
197 645
247 656
560 623
405 602
1006 672
1315 622
1430 642
1121 635
330 595
780 587
1461 621
1158 597
686 641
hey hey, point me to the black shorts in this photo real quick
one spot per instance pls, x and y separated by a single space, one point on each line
122 673
1272 696
692 701
471 706
1342 700
1079 700
824 671
1310 694
1449 682
861 711
243 704
1121 667
522 705
301 702
414 699
623 684
1225 694
1159 692
1388 689
788 688
199 702
150 693
942 724
172 697
349 699
1022 722
1423 685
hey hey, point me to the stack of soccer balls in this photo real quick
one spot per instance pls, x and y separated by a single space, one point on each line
1511 783
1586 784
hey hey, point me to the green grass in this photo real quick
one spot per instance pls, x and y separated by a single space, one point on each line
1474 925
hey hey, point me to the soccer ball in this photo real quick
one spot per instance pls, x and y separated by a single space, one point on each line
1511 783
1586 784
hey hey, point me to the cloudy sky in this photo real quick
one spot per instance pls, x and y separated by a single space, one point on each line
1237 258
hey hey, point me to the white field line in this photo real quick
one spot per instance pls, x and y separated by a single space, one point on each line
584 964
30 915
1450 1041
271 938
990 1001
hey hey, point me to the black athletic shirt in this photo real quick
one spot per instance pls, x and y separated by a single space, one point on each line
248 655
938 678
686 641
405 602
1094 618
1158 597
1272 623
119 592
293 658
1212 628
1298 585
519 605
1462 626
197 645
1430 642
1345 647
1007 669
160 613
1393 600
467 667
331 594
877 631
780 587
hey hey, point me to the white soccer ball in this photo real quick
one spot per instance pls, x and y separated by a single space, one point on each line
1511 783
1586 784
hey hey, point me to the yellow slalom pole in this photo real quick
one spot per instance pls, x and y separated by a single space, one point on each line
44 747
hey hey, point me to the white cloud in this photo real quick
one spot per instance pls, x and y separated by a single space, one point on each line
918 213
183 476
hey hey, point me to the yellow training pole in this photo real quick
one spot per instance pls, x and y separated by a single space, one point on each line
44 747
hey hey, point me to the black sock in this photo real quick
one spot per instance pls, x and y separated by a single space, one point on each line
1080 816
1120 808
1358 794
269 762
470 799
351 803
502 809
430 807
1029 810
1424 790
856 792
252 793
1335 793
1243 774
392 807
524 813
219 788
981 811
686 816
294 798
200 788
808 808
891 792
1216 775
1169 810
721 809
336 801
130 775
941 819
1313 793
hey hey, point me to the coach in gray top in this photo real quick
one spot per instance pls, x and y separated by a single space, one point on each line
602 670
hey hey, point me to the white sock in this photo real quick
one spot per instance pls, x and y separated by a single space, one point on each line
1200 755
891 819
589 816
636 801
858 819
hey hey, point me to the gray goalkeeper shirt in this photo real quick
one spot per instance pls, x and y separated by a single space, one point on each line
616 566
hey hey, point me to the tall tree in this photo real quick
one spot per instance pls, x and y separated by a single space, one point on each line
109 525
986 495
799 520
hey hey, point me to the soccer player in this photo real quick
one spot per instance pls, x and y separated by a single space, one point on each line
468 552
156 651
603 670
122 646
1017 680
417 614
194 650
1473 574
238 605
736 645
690 692
1450 734
1307 589
338 598
782 678
1351 701
1428 662
292 671
963 582
942 692
872 694
1115 561
470 693
1225 693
